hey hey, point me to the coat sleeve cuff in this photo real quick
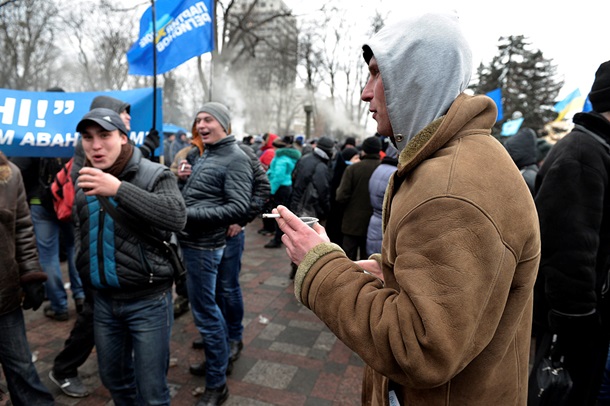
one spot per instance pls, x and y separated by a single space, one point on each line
310 259
377 258
32 277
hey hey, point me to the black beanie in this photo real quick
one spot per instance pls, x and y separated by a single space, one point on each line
348 153
327 145
371 145
600 91
111 103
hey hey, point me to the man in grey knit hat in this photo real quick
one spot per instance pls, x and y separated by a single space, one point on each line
217 186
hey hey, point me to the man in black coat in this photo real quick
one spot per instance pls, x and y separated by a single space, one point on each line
311 181
572 195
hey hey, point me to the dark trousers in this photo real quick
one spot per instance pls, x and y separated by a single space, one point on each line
281 196
352 244
79 344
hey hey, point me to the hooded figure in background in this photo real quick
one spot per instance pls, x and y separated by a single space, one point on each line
443 315
523 149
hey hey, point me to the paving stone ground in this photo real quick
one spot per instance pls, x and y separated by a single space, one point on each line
289 356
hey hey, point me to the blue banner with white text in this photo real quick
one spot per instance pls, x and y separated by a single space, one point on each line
185 29
43 124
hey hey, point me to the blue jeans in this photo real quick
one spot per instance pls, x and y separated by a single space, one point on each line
132 340
202 271
22 378
228 291
47 230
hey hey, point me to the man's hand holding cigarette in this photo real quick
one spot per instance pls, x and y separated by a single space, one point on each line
298 237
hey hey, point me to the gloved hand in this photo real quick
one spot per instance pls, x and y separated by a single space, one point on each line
151 142
34 295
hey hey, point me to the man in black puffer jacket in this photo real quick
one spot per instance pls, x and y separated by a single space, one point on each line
228 290
571 293
217 190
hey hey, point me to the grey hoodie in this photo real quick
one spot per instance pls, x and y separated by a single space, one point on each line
421 78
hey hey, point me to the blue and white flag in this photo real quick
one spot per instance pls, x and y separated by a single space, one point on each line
561 105
496 96
185 29
43 124
511 127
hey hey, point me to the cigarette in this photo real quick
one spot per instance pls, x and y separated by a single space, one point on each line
271 216
182 167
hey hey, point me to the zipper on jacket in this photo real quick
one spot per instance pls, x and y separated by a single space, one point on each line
204 156
100 248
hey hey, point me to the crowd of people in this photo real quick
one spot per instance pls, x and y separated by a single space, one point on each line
436 253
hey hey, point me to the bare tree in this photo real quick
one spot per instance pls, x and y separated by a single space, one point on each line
101 53
27 42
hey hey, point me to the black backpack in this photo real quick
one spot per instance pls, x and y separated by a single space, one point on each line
48 168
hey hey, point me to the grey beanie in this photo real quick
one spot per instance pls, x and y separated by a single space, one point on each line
220 112
111 103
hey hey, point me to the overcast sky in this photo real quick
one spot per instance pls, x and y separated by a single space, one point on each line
574 34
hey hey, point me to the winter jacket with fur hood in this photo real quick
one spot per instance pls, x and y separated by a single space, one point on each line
451 323
18 254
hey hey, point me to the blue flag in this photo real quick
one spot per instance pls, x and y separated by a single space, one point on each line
496 96
587 106
511 127
185 29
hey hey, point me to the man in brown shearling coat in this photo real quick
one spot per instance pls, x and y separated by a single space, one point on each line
443 315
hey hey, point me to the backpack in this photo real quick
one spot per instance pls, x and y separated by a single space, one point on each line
62 190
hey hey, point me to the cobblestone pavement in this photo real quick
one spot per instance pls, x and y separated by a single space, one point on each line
289 356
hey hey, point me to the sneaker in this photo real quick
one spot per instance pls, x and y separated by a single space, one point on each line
50 313
214 397
273 244
72 387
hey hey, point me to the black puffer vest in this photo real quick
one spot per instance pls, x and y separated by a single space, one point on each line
112 260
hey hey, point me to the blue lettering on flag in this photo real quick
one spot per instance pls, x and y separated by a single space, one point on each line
185 29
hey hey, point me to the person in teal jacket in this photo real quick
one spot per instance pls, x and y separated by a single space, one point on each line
280 178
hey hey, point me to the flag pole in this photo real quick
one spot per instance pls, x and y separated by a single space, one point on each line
154 47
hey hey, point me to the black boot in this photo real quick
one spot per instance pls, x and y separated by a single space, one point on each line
214 396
